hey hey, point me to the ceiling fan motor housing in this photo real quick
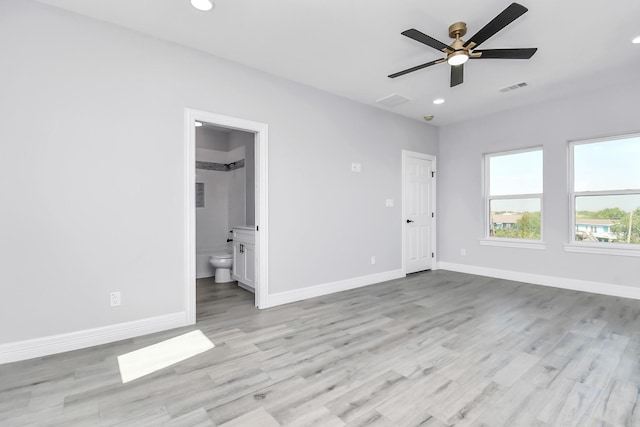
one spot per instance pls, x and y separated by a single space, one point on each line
458 29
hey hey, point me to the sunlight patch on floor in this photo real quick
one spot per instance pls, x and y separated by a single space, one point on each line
166 353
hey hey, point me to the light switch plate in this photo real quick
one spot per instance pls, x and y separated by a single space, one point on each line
356 167
388 203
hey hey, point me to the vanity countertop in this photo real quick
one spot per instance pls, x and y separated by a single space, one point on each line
245 227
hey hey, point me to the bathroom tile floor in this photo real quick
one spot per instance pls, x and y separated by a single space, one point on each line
433 349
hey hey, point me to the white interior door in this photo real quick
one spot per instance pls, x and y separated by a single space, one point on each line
418 210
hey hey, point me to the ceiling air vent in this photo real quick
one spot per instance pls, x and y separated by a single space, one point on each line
513 87
392 100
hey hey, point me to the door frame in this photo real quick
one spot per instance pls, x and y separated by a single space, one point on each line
405 155
260 130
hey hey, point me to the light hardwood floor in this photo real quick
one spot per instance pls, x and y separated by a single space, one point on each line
434 349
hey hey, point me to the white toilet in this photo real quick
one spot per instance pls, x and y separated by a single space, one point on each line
222 262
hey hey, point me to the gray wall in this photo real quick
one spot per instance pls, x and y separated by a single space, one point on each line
212 139
460 206
92 172
247 140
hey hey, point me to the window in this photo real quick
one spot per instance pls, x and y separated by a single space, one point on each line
605 192
514 195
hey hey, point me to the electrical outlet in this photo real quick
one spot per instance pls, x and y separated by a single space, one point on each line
373 259
115 299
463 252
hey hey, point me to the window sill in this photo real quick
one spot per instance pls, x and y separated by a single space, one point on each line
601 250
513 243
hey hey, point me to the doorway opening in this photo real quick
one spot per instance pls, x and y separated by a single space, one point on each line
252 137
418 212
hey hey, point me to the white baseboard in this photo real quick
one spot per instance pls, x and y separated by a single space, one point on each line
38 347
552 281
330 288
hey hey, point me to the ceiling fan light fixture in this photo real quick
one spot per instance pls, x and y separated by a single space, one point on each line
438 101
203 5
459 51
457 58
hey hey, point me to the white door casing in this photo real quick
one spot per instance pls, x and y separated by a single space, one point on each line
259 270
418 217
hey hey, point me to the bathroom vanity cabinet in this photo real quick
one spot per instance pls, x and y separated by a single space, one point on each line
244 259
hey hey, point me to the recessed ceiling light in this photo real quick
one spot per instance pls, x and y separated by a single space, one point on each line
198 124
636 40
438 101
203 5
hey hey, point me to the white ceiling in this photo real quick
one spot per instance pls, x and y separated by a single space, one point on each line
349 47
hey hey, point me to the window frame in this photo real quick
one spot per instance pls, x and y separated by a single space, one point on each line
489 240
606 248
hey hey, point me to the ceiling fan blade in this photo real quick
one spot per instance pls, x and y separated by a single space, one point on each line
457 72
506 17
425 39
416 68
506 53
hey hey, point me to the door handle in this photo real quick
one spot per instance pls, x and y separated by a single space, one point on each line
409 221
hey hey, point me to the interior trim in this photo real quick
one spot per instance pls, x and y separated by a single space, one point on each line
514 243
602 250
260 130
332 287
552 281
38 347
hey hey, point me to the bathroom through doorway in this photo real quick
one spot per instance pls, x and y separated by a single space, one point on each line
226 204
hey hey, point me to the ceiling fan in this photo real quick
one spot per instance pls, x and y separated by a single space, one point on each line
460 51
